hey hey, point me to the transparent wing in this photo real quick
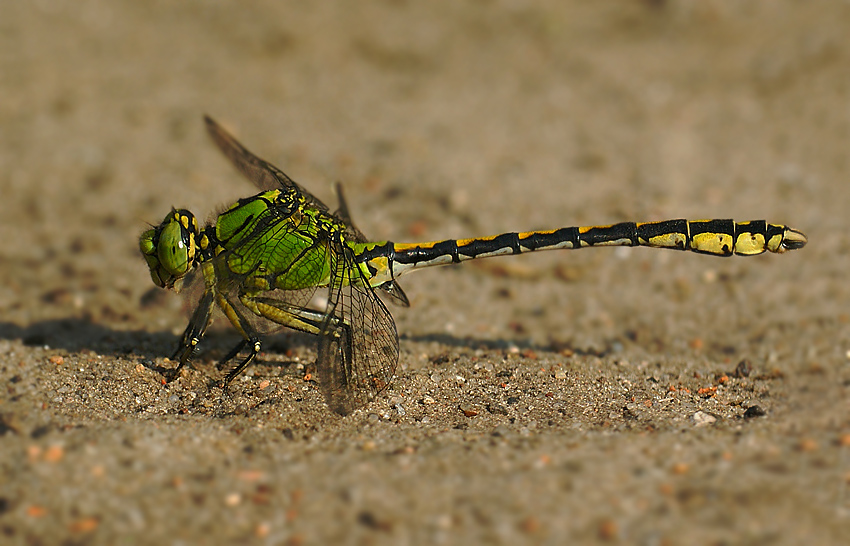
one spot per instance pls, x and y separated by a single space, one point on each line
358 342
390 288
342 213
264 175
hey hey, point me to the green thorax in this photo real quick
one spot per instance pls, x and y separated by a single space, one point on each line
277 239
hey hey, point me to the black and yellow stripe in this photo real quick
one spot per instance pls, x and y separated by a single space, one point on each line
716 237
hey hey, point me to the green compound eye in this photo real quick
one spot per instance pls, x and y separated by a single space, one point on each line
146 244
169 249
173 249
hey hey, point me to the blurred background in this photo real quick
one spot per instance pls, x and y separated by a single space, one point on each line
442 120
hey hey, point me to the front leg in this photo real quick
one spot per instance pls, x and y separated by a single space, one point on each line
193 333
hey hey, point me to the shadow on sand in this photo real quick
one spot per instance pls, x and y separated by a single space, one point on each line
75 335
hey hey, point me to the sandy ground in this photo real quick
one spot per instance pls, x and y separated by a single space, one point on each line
630 396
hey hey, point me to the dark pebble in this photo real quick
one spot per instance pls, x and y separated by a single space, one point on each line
754 411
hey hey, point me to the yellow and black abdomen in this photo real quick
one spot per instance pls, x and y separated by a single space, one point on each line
720 237
715 237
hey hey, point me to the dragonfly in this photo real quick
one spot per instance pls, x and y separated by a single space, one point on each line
264 258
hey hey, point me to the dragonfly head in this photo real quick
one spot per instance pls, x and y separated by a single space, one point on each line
170 249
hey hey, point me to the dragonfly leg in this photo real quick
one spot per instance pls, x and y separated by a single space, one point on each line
250 338
232 353
297 318
293 317
193 333
255 345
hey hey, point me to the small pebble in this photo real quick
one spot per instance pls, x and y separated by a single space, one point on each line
54 454
702 418
608 530
530 525
85 525
262 530
251 475
807 445
36 511
33 452
754 411
743 369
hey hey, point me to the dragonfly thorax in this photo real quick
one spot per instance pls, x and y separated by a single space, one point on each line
171 249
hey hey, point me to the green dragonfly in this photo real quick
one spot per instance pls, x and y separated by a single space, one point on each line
263 259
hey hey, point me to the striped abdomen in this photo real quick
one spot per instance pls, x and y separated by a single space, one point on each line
717 237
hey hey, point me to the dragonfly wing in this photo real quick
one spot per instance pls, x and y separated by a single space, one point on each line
390 288
393 290
343 214
358 342
264 175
